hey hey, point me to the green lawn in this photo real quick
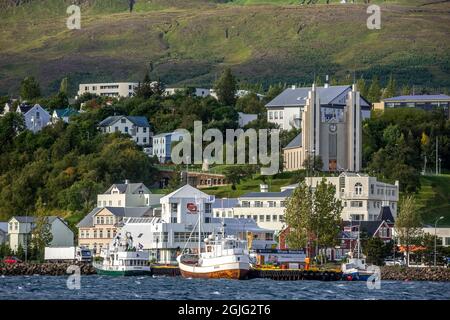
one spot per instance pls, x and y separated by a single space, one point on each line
434 198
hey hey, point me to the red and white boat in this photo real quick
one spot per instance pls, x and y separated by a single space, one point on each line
224 257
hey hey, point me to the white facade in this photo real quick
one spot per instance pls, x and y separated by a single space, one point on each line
167 235
441 232
137 127
362 196
112 89
162 145
128 195
265 208
20 232
36 117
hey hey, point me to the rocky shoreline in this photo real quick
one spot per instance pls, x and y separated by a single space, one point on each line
415 274
48 269
60 269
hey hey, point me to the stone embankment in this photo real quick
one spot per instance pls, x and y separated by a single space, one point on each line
415 274
49 269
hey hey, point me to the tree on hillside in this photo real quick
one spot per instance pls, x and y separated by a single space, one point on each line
29 89
225 88
362 87
374 92
408 224
63 88
391 89
11 124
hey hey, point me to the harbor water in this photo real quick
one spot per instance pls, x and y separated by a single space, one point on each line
164 288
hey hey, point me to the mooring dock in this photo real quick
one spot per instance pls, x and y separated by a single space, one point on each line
274 274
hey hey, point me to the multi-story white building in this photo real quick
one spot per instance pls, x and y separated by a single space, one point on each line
442 233
265 208
137 127
162 145
362 196
121 200
167 235
20 230
113 89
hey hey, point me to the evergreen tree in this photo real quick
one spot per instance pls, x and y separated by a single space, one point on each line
29 89
225 88
374 92
64 86
362 87
406 90
391 88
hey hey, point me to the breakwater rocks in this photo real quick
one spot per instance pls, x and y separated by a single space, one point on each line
48 269
415 274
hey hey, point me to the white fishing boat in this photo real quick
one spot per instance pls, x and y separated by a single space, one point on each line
123 259
219 256
356 268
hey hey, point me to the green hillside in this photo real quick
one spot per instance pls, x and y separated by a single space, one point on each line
190 41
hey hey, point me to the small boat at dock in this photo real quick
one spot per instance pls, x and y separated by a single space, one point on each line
123 259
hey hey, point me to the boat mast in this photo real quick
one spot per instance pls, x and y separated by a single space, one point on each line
199 209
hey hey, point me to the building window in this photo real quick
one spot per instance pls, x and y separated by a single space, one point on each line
173 207
108 233
99 203
119 202
270 115
123 120
274 218
447 241
126 129
271 204
246 204
145 140
281 114
258 204
358 188
356 204
275 115
268 217
255 217
173 220
144 130
110 203
261 218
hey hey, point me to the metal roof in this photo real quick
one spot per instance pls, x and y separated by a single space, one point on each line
136 120
424 97
295 143
88 221
295 97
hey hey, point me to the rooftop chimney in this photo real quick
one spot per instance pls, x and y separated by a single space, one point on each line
293 87
127 181
326 82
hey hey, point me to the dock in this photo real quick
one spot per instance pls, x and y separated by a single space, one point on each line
274 274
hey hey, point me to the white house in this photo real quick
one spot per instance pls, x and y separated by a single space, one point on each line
362 196
162 145
127 195
137 127
441 232
36 117
164 237
20 230
112 89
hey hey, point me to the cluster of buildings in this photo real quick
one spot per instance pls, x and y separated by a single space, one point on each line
37 117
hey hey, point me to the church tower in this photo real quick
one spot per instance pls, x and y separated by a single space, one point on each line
354 130
311 125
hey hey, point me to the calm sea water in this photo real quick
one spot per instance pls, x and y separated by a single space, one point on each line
128 288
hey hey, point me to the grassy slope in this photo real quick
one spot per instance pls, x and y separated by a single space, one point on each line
188 43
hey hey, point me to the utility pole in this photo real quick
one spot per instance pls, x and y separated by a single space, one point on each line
437 155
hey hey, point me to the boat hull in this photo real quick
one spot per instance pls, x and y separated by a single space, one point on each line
237 274
236 270
356 276
122 273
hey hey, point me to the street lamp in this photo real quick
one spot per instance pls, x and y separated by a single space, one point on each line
435 238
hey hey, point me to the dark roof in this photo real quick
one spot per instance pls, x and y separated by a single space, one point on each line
24 108
127 187
136 120
32 219
67 112
424 97
4 226
295 143
386 214
370 227
282 194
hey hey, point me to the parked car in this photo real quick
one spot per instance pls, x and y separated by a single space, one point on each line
394 262
11 260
